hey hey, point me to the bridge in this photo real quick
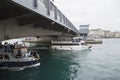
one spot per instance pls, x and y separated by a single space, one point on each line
27 18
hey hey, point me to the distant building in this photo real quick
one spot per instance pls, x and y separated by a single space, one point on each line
99 33
84 31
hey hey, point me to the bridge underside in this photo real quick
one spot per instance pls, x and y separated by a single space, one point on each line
17 21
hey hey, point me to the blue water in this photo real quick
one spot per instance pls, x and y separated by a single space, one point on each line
100 63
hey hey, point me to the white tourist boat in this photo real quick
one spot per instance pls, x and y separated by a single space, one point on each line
69 45
18 59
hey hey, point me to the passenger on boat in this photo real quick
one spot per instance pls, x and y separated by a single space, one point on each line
8 47
16 45
1 46
5 46
31 53
34 53
11 48
18 54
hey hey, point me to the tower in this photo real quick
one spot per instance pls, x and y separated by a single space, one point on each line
84 30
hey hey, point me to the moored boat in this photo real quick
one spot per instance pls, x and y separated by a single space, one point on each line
73 44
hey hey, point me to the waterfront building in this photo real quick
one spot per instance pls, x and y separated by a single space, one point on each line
99 33
84 30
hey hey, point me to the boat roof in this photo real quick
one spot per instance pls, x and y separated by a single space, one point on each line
20 48
77 38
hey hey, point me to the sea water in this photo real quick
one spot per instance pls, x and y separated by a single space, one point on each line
102 62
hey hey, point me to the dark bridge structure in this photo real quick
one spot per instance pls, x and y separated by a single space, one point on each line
26 18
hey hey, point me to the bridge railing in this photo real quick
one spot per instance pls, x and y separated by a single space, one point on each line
49 10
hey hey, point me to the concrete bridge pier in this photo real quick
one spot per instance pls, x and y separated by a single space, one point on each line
10 29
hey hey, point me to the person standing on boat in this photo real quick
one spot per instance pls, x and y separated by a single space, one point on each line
16 45
8 48
11 48
34 53
19 54
1 46
5 47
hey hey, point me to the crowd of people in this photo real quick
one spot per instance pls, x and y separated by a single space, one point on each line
16 50
7 47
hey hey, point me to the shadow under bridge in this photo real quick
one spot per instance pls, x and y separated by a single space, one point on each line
26 18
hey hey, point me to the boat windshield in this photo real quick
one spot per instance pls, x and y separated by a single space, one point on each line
77 39
24 51
83 42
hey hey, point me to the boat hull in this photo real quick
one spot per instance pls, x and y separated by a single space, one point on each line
69 47
19 65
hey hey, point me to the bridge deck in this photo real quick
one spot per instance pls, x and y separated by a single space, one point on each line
36 12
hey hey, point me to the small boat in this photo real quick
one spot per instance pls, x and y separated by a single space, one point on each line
73 44
19 59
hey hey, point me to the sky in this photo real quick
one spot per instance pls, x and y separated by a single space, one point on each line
104 14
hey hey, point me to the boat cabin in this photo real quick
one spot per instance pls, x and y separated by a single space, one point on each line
20 52
4 56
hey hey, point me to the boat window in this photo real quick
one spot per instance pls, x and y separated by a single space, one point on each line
6 56
83 43
23 50
77 40
1 56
